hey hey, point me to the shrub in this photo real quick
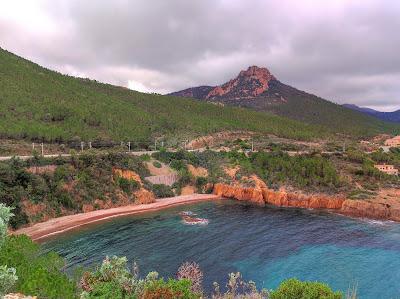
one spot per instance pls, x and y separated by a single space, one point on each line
128 186
157 164
8 276
178 165
113 280
171 289
240 289
38 274
162 191
145 157
192 272
296 289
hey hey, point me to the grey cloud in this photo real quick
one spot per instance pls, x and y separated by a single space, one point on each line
342 50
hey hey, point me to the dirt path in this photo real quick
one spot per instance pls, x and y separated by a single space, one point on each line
62 224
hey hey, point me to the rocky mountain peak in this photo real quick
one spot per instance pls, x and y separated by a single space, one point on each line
249 83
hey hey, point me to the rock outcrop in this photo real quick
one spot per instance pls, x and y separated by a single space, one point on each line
370 209
126 174
354 208
249 84
263 195
142 195
240 193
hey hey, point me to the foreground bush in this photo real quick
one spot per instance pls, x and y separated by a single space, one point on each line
162 191
38 274
8 276
113 280
171 289
237 288
296 289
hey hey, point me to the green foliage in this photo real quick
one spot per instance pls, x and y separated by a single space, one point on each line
295 289
113 280
75 180
157 164
145 157
40 104
201 182
38 274
128 186
107 290
5 215
162 191
170 289
8 276
237 288
301 171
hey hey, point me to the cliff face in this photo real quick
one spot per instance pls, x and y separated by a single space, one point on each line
249 84
370 209
240 193
278 198
353 208
284 199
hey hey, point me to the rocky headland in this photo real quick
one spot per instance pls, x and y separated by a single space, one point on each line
380 208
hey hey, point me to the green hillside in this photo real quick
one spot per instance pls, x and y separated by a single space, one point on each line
42 105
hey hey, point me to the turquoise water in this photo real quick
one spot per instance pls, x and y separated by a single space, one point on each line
266 245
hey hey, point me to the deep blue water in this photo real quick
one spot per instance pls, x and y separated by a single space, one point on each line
266 245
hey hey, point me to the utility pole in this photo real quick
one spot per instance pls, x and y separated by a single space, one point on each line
42 149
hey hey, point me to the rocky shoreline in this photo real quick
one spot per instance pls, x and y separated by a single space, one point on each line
373 209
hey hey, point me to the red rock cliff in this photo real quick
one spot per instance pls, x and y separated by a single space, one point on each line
248 84
278 198
354 208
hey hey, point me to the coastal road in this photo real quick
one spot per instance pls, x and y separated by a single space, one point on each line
6 158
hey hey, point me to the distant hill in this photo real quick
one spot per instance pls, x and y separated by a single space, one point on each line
40 104
258 89
386 116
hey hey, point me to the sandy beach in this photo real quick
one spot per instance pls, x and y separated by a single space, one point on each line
59 225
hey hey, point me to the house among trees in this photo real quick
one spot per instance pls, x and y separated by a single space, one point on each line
393 142
388 169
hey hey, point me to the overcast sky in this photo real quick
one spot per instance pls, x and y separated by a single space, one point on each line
343 50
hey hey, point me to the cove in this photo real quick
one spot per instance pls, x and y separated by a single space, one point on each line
266 244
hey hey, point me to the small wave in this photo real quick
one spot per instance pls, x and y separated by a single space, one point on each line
195 221
187 213
378 222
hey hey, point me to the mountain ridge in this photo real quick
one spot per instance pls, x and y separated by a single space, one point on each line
392 116
256 88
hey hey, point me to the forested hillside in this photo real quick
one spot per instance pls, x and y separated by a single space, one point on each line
40 104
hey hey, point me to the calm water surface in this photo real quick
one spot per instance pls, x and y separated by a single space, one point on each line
266 245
